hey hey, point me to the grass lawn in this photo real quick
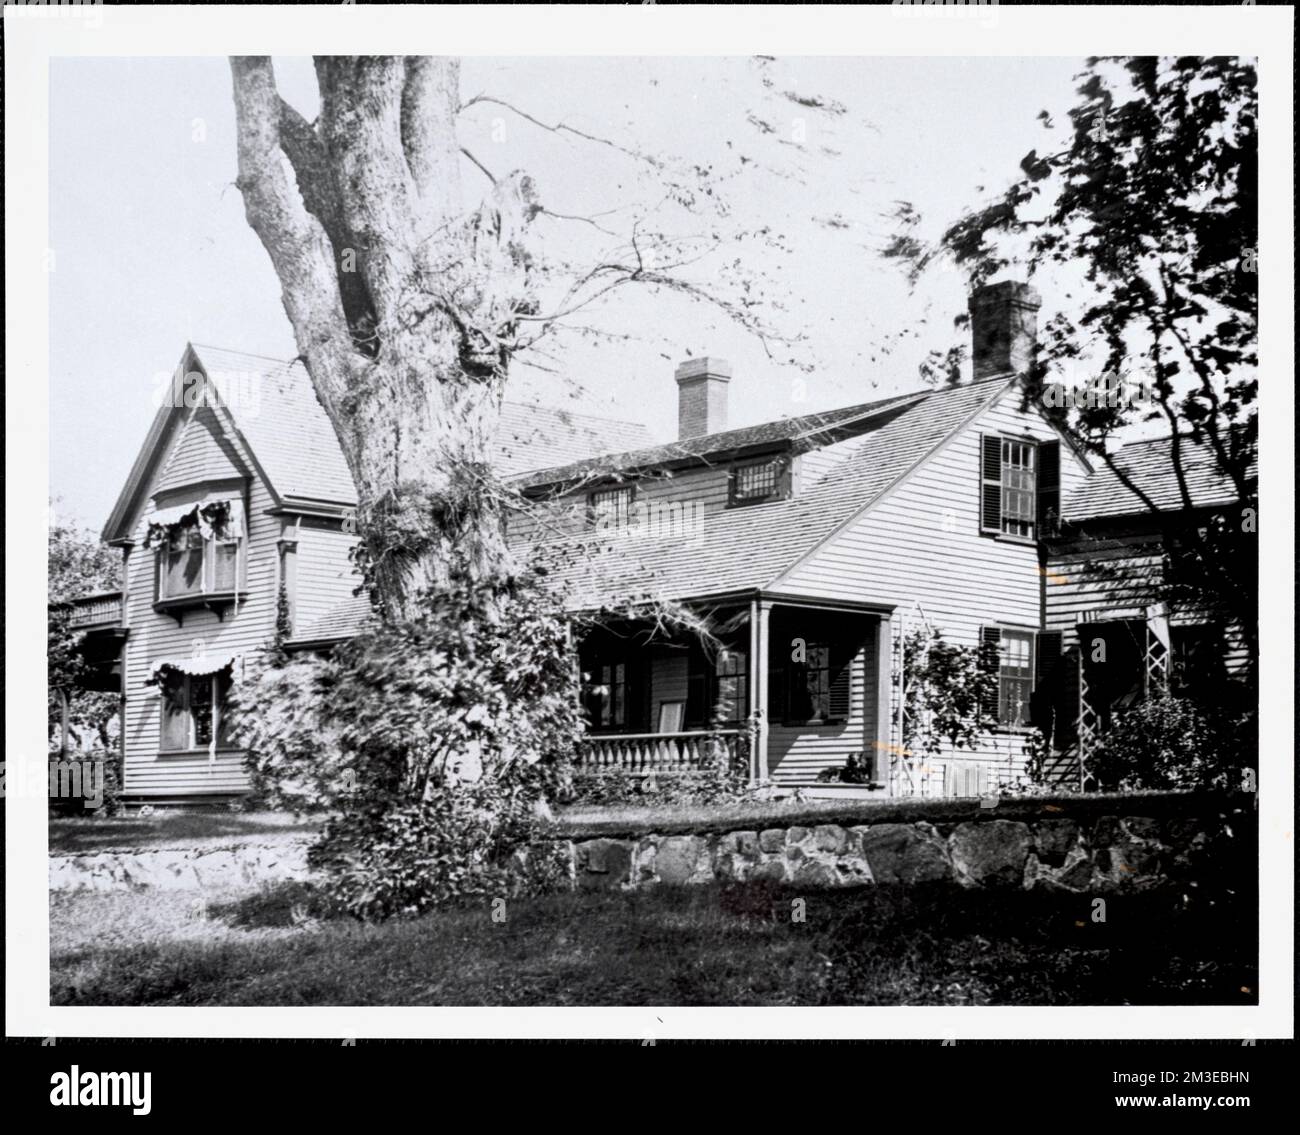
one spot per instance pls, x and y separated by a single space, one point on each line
85 836
738 945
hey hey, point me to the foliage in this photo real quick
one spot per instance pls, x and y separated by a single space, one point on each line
1172 742
79 565
947 691
106 772
432 743
1149 189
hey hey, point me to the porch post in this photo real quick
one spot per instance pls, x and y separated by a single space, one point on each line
884 685
759 625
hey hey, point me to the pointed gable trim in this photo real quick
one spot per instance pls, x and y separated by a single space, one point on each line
163 432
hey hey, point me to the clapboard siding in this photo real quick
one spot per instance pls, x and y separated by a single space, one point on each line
326 576
921 544
196 455
796 754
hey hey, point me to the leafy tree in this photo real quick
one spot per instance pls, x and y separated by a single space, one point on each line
1142 215
78 565
410 304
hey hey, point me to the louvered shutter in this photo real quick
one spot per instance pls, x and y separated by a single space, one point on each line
990 483
990 640
1048 488
841 681
1044 703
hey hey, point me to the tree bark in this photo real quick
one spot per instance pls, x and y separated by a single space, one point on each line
403 305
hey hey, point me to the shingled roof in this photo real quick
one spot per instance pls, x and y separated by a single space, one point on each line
273 406
691 450
1149 465
753 548
749 548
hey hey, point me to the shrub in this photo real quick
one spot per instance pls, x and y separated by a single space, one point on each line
1170 742
431 744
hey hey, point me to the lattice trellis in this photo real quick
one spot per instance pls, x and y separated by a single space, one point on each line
1155 664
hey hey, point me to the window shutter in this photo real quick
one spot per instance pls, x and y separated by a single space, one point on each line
1049 488
990 637
841 681
990 483
1047 687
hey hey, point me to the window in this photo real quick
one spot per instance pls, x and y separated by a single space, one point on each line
612 508
193 708
1015 670
813 688
761 481
731 686
190 564
605 696
1019 486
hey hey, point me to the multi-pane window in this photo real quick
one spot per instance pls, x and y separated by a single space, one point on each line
612 508
810 694
731 686
1018 503
193 710
606 695
1015 676
192 565
756 482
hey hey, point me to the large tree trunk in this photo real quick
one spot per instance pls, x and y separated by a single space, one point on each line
403 306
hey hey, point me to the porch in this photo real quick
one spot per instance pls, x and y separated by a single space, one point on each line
785 690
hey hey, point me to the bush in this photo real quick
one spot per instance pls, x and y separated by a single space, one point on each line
431 744
1170 742
97 767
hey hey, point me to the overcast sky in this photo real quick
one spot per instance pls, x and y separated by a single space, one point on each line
152 250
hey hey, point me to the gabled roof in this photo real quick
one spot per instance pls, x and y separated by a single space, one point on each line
745 549
752 548
1149 465
693 450
271 406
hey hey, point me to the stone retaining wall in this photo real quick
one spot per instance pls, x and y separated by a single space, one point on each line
1081 845
1092 844
180 869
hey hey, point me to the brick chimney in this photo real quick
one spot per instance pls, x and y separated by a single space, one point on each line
1004 328
702 396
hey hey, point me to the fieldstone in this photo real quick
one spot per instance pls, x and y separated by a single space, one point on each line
683 859
1142 827
828 837
643 862
772 839
604 863
815 873
770 870
736 853
853 870
796 835
990 852
1074 874
905 853
1054 839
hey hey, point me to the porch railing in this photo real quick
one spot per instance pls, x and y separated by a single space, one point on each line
96 611
663 752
